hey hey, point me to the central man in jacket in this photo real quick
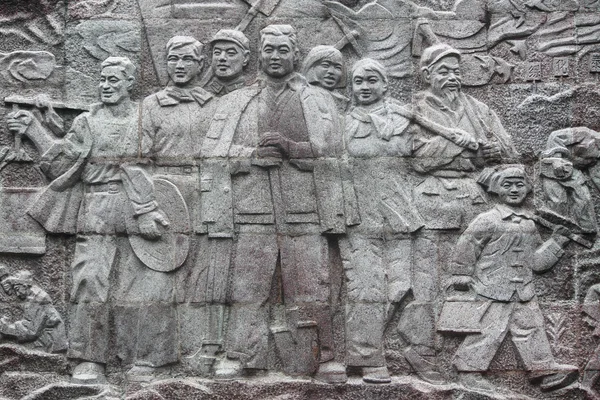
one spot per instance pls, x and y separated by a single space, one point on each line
281 137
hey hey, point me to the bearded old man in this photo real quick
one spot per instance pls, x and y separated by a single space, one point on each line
448 196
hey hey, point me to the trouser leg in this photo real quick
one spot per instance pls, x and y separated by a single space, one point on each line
146 316
253 267
477 350
529 336
417 323
201 294
89 310
306 284
366 304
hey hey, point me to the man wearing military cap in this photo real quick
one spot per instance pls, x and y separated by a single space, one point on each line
230 56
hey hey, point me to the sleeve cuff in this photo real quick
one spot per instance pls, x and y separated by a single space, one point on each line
144 208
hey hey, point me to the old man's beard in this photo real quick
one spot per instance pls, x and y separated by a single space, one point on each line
450 93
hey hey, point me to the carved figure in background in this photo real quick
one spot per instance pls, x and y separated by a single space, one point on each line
40 323
494 259
389 44
174 124
324 67
275 134
376 253
7 292
100 193
565 193
230 56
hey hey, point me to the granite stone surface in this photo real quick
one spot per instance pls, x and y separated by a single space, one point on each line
299 199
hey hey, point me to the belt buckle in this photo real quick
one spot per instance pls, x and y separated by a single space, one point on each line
113 188
187 169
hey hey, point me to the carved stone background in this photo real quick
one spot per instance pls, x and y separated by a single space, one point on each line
535 63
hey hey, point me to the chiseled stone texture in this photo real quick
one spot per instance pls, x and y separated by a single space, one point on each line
299 199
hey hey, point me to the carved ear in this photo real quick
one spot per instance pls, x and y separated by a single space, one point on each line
426 75
200 64
246 58
130 83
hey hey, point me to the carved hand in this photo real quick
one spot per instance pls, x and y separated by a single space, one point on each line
268 152
461 138
491 151
19 121
275 139
560 235
461 282
148 224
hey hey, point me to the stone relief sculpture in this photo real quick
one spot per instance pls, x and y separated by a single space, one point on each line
592 369
324 67
230 57
270 223
173 142
40 323
565 189
274 131
376 252
99 192
494 259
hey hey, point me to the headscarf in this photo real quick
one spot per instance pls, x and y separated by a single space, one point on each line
491 178
318 54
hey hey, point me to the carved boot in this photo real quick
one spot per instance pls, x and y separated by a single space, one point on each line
424 368
331 372
554 377
227 368
558 380
376 375
89 373
476 381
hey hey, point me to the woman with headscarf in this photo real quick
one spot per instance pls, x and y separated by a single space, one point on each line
324 68
376 124
377 252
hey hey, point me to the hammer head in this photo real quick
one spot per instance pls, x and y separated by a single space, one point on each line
265 7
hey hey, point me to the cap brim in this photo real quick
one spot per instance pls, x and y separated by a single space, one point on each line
446 53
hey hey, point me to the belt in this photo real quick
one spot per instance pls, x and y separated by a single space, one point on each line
176 170
109 187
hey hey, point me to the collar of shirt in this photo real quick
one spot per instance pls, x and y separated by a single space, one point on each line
217 86
172 95
508 212
294 81
383 126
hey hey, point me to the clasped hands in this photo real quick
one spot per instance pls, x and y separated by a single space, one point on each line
273 145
